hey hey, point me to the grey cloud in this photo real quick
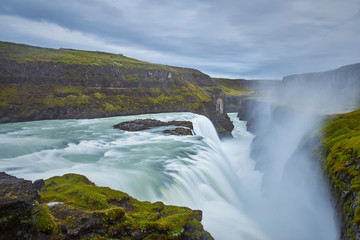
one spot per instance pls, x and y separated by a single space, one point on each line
236 38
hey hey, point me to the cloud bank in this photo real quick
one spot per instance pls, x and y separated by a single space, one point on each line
227 38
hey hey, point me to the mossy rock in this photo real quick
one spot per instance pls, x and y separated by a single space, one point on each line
44 220
72 207
86 210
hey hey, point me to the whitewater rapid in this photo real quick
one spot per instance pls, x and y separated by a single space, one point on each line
199 172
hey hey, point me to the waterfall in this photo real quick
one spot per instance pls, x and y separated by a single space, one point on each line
211 184
200 172
204 127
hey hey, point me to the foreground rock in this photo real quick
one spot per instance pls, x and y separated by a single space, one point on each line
18 205
72 207
185 127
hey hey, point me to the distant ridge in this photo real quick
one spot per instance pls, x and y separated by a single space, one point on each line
338 89
349 73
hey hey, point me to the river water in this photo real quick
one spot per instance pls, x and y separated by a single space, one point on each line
199 172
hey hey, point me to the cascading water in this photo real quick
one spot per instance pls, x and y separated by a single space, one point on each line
195 171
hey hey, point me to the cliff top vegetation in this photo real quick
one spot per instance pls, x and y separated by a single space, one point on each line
341 158
22 53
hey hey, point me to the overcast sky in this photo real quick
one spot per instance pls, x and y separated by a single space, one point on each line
258 39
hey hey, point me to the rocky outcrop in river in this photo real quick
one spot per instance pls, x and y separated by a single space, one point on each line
182 127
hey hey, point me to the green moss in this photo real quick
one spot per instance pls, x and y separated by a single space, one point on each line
119 212
68 89
75 190
68 101
22 99
9 95
44 221
111 214
112 108
99 96
202 95
162 99
341 158
131 77
156 91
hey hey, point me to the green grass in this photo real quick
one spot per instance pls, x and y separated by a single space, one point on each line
232 87
44 221
21 53
341 158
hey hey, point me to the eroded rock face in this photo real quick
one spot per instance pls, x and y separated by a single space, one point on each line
225 126
185 127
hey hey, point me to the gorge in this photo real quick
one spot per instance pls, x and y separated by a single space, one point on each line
282 175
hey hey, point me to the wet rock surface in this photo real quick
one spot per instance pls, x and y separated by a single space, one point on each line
178 131
224 126
184 127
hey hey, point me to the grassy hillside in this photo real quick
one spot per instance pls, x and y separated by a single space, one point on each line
41 83
233 87
22 53
341 159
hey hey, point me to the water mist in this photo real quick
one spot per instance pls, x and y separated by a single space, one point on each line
296 201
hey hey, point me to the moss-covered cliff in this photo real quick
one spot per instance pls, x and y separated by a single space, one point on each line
340 155
41 83
72 207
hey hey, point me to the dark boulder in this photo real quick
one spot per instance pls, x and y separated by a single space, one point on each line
184 127
17 200
38 184
138 125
